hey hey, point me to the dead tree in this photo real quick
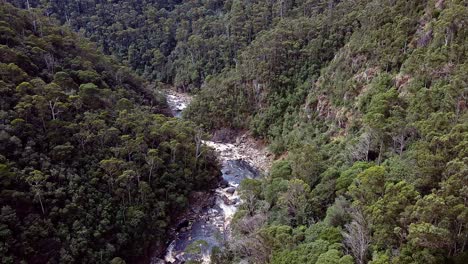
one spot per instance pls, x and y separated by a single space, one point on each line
357 236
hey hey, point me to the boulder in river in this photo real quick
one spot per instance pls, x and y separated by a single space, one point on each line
226 200
230 190
196 210
224 183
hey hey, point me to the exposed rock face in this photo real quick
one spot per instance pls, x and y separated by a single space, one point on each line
224 135
246 148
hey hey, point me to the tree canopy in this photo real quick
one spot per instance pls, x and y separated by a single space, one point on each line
90 169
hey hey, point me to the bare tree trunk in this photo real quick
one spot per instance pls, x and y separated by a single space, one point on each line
357 236
380 152
28 7
173 154
53 109
150 174
40 201
198 144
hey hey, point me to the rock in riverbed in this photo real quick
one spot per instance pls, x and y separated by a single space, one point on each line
230 190
223 183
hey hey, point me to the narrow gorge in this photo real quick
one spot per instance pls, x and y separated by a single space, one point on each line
234 131
206 225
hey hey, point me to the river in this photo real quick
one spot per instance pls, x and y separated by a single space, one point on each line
244 158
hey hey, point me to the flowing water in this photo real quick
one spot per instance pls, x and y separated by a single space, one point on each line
196 238
177 102
211 226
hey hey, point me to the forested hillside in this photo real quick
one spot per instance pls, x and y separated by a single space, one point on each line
364 102
367 99
90 171
179 42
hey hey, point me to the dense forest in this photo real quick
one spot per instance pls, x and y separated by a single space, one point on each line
90 169
364 102
368 101
172 41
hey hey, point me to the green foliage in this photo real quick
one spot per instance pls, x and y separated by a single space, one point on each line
364 100
304 253
307 164
90 172
179 42
333 256
117 260
281 169
295 202
337 214
273 188
197 247
367 101
324 232
347 176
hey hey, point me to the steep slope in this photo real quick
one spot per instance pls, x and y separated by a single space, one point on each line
89 171
368 98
